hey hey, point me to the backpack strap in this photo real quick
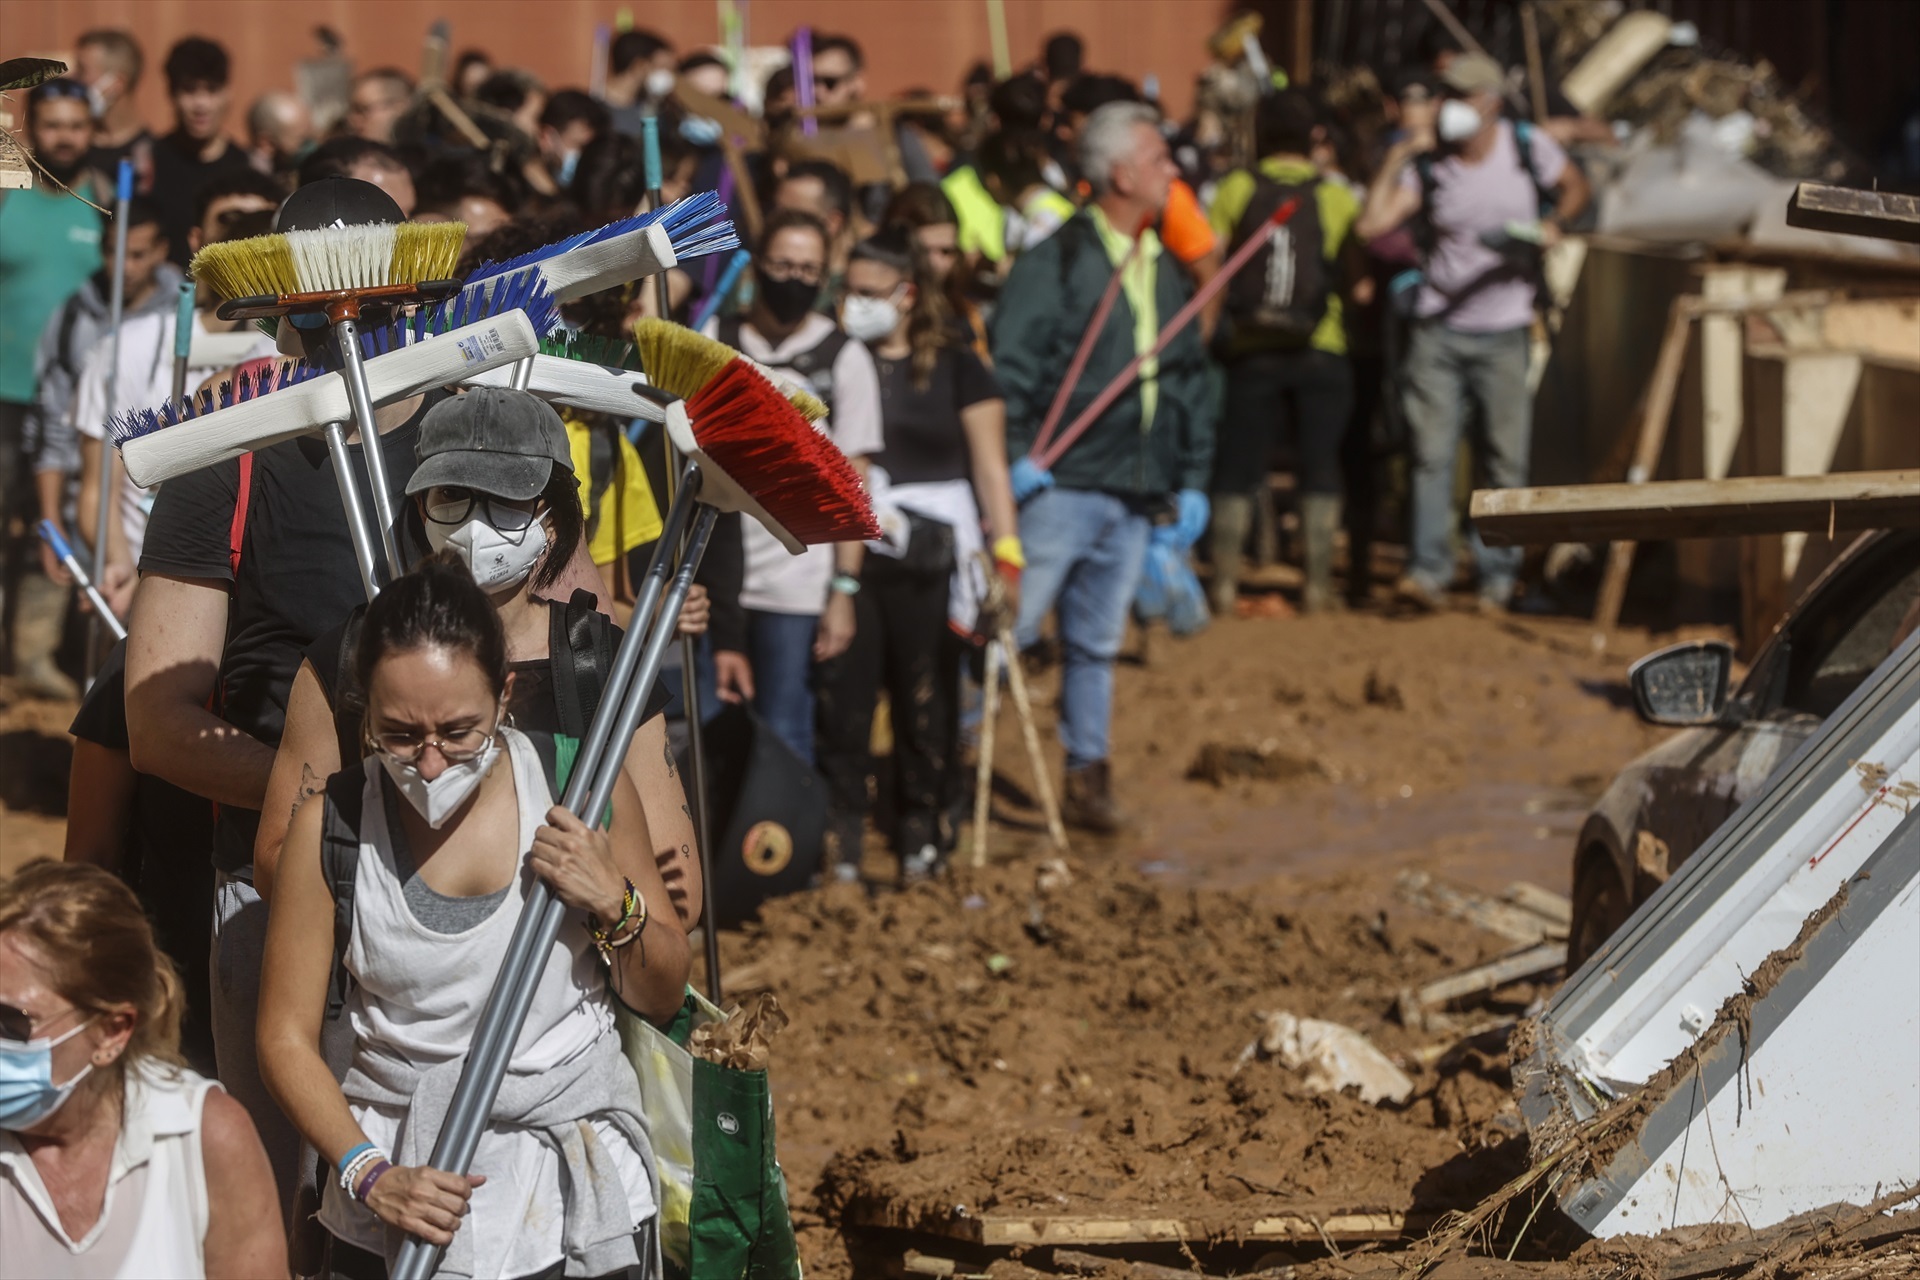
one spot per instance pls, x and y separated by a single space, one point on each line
340 868
237 530
580 647
729 331
1523 143
349 699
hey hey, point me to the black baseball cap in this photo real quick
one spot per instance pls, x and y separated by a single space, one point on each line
336 202
492 439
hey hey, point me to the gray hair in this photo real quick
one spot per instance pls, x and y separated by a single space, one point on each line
1107 140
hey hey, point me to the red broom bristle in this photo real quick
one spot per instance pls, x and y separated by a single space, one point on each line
757 437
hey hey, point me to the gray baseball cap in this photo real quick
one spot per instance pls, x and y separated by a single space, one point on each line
497 441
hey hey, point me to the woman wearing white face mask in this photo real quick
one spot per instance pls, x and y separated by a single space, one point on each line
495 484
115 1160
447 823
944 462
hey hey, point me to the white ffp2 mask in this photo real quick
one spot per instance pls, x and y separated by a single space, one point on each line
1458 121
869 319
496 559
440 799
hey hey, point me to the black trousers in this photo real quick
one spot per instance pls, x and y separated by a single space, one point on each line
1307 393
901 643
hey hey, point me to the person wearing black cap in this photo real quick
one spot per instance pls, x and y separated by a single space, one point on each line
496 483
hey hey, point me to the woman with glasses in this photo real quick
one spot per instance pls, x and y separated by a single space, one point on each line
448 820
495 485
115 1159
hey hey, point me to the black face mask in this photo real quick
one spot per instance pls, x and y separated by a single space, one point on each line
788 300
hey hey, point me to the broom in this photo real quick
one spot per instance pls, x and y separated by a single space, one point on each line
337 272
680 361
266 405
747 449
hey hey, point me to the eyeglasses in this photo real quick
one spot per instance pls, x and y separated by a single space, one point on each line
780 269
456 506
16 1024
457 747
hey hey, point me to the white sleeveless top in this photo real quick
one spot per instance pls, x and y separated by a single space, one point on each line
417 1000
153 1222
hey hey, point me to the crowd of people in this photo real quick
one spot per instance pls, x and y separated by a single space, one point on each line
955 304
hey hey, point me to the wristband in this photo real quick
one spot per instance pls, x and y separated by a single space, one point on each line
845 583
1008 551
364 1187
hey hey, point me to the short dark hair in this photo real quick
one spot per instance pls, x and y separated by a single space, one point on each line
1063 55
506 90
889 247
1283 122
454 175
196 60
834 182
919 204
336 157
637 45
571 106
695 61
610 181
143 212
1015 157
845 44
468 59
1019 101
788 220
59 89
120 45
1090 93
436 603
237 182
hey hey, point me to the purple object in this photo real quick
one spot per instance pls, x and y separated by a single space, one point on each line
803 78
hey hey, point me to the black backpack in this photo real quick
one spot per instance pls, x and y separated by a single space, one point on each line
814 365
1282 293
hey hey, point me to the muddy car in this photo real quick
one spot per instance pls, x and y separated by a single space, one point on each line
1663 806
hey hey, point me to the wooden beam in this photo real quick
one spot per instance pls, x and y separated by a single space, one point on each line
1667 509
1493 974
1850 211
1005 1229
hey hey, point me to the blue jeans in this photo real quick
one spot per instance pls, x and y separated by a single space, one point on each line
1447 371
1084 552
780 647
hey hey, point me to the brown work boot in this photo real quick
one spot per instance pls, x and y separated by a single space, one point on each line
1088 802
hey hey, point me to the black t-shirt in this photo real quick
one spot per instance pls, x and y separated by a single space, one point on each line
178 174
924 441
531 702
297 575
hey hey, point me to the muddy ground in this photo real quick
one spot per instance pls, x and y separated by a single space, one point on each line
1069 1038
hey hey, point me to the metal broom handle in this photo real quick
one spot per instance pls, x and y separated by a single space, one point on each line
596 769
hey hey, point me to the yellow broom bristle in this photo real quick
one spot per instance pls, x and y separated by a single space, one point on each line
682 362
246 268
426 251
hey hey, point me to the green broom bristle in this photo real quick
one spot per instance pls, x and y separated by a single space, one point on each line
591 348
682 362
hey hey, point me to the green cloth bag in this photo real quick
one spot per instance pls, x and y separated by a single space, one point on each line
723 1198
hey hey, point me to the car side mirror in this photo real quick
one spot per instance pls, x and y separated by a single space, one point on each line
1684 684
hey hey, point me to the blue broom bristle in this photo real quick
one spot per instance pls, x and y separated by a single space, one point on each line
695 226
250 385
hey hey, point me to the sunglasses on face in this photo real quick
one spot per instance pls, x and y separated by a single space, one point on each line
16 1024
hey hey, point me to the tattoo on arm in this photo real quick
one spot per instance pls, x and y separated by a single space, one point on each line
667 750
311 784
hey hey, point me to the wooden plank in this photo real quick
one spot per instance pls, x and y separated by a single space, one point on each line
997 1230
1494 974
1698 508
1509 921
1883 215
1646 455
1544 903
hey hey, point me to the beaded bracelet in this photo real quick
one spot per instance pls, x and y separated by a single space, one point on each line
629 902
358 1161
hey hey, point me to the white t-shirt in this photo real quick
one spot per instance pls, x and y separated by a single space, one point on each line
146 382
776 580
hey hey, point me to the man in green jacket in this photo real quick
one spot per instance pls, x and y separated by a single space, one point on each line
1086 521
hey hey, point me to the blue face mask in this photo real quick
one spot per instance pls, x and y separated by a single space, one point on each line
28 1094
700 131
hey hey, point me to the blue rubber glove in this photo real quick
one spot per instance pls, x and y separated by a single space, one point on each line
1189 522
1029 478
